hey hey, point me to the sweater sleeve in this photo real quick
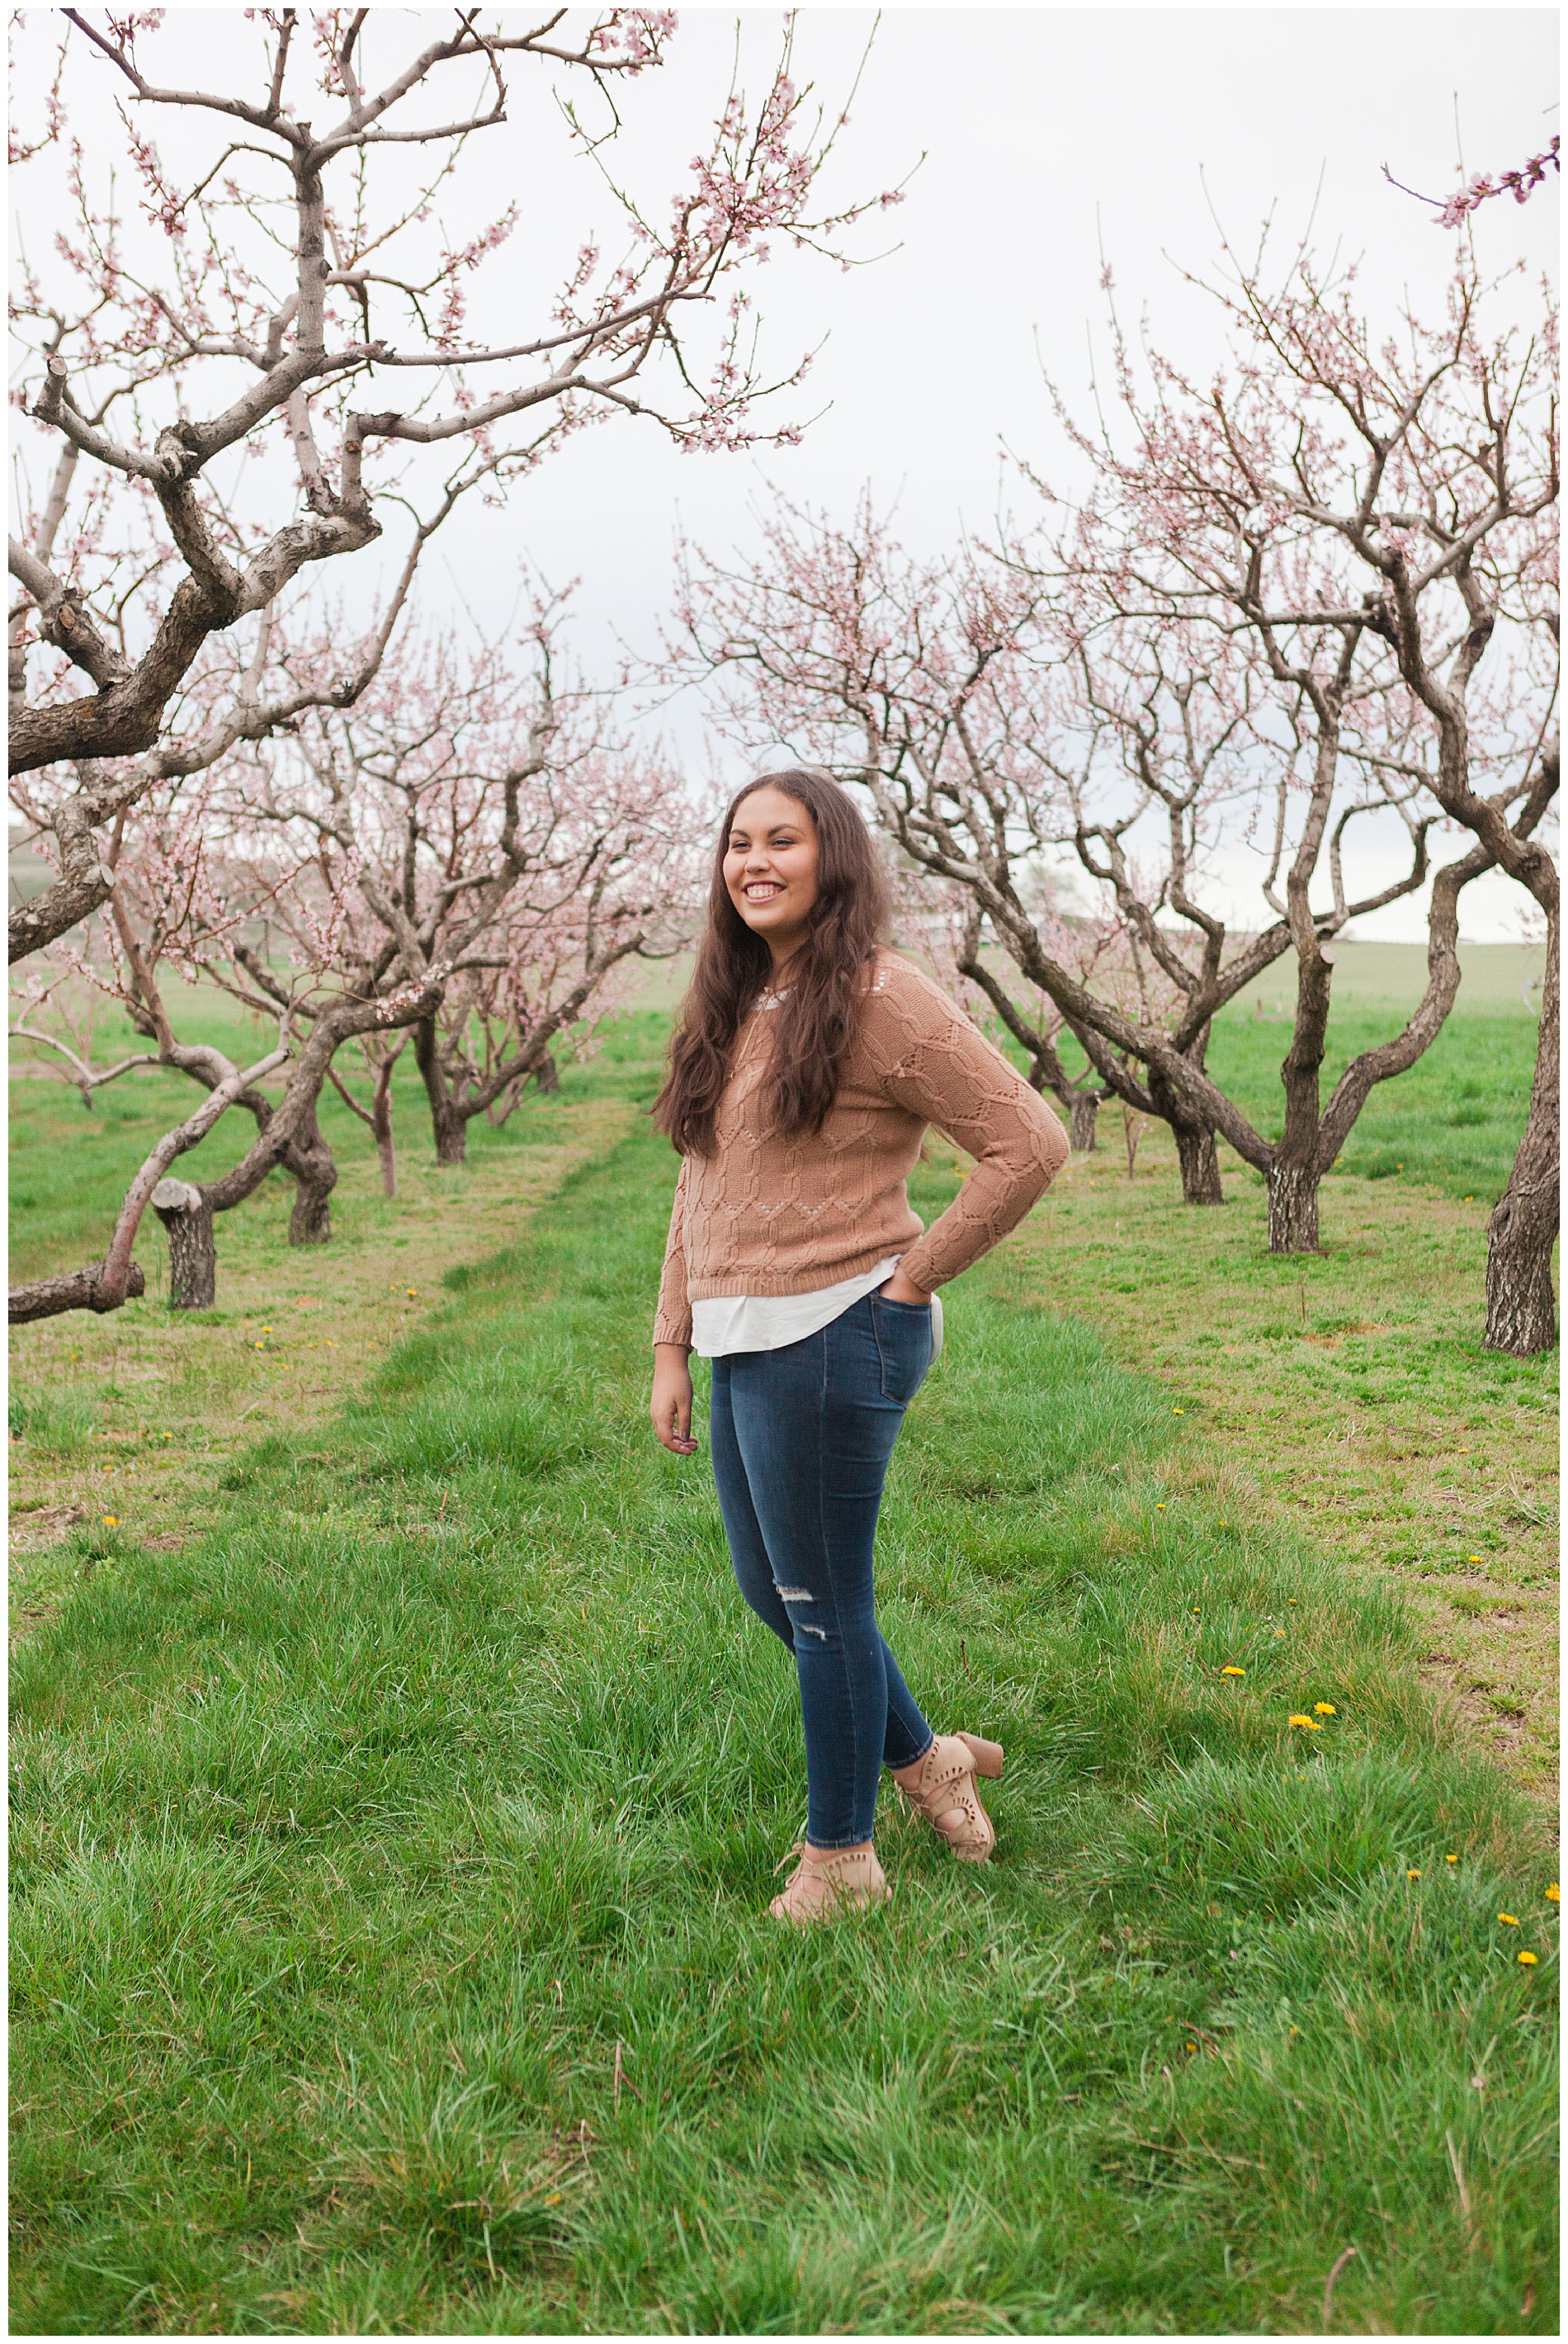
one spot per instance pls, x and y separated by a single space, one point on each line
939 1067
673 1318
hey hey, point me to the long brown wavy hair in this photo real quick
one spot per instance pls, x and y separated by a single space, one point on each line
817 1017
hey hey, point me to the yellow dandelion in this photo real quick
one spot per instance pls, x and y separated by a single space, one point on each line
1510 1919
261 1347
1189 2047
1297 1719
1232 1672
1451 1859
267 1330
1470 1200
1279 1631
1324 1709
1295 2030
552 2196
111 1521
1529 1960
1289 1598
1472 1558
1412 1873
1178 1411
1159 1508
1554 1895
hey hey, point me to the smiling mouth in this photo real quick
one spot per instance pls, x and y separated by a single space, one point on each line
763 891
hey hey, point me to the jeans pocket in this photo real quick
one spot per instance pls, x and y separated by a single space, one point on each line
903 1340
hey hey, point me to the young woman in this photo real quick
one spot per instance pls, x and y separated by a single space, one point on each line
807 1064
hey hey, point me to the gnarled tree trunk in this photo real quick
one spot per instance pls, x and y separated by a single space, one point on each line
74 1289
1083 1108
1295 1172
310 1161
1520 1309
187 1217
450 1132
449 1125
381 1127
1196 1152
1293 1206
387 1158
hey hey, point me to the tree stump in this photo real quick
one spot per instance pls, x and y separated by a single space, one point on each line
192 1250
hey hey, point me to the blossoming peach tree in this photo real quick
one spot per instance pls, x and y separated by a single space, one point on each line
473 843
1369 518
468 815
212 374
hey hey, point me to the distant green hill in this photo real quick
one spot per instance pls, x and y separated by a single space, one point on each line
1372 976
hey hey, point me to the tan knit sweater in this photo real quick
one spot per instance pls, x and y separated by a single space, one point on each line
768 1216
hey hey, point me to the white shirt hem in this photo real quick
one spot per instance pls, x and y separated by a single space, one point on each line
730 1323
766 1322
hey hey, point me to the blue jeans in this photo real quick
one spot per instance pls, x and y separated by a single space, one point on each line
801 1442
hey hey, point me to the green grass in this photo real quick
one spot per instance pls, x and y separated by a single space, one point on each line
1346 1395
54 1423
1453 1120
353 1837
70 1165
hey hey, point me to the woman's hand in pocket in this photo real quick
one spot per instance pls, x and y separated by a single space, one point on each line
899 1289
671 1404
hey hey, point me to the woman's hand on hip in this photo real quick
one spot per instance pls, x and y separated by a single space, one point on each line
670 1405
900 1288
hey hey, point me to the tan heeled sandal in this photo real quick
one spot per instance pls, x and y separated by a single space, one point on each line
945 1791
827 1882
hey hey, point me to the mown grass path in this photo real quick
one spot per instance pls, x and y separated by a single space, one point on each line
137 1416
389 1942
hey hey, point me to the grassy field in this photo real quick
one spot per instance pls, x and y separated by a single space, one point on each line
1451 1123
399 1780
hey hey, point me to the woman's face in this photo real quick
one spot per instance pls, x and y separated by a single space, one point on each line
769 868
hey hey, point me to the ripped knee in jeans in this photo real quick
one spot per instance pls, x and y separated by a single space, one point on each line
800 1595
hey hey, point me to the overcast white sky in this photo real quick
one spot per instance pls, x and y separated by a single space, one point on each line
1048 135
